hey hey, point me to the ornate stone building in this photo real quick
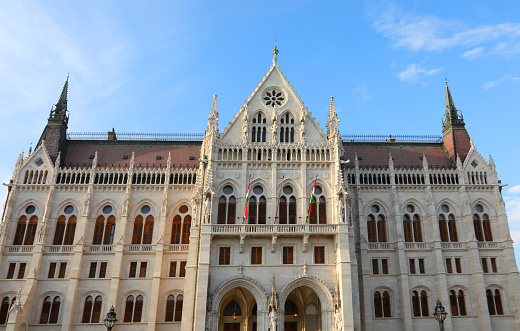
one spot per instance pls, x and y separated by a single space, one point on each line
271 224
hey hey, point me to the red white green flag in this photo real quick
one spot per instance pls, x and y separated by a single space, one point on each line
247 198
312 199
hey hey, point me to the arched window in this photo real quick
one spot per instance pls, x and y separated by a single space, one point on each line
291 308
65 227
92 309
287 128
4 309
143 227
481 224
412 225
494 301
376 225
26 227
319 209
259 128
181 227
104 228
287 206
257 206
420 303
226 207
382 304
170 308
50 310
178 308
457 303
447 229
232 309
133 309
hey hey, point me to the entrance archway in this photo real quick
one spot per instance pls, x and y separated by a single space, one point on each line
302 310
306 304
237 311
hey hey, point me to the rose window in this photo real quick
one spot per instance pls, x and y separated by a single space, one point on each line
273 98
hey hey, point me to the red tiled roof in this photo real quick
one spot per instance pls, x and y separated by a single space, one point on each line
112 153
407 154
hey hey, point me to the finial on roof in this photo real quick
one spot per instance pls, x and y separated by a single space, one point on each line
214 104
275 52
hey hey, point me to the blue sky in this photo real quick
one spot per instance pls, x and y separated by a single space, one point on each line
154 66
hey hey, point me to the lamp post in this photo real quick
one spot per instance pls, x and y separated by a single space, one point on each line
440 314
111 319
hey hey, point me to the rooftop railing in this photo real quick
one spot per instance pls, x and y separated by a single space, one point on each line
391 138
135 136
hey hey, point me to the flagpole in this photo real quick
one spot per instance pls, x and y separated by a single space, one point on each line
247 198
310 202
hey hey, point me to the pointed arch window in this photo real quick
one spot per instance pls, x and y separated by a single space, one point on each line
26 227
287 128
494 301
133 309
420 303
481 224
50 310
287 212
143 227
412 225
257 206
382 304
259 128
447 225
104 228
181 227
457 303
376 225
319 207
65 227
226 213
4 309
92 309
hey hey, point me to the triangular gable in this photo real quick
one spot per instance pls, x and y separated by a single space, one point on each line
38 161
476 165
274 85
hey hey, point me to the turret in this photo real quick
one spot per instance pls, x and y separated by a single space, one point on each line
55 133
456 139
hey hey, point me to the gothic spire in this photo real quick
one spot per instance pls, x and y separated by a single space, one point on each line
58 115
453 119
332 122
61 106
213 116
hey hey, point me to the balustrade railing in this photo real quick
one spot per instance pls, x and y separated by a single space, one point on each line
100 248
19 248
274 228
140 248
176 248
60 249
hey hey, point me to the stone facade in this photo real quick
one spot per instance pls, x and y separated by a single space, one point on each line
159 229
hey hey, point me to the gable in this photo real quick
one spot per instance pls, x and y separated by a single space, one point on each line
274 108
37 168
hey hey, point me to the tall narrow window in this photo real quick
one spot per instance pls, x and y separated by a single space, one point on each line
226 211
462 303
46 309
4 310
178 308
424 304
386 304
481 224
319 254
448 266
256 255
257 206
92 309
170 307
129 309
420 303
181 227
287 206
288 255
447 229
453 304
186 227
412 225
378 304
138 310
173 269
287 128
104 228
376 225
458 265
182 269
319 207
176 230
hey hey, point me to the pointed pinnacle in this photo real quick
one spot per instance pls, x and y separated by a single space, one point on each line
214 104
332 105
450 105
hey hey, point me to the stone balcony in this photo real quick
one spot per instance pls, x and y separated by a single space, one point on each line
260 230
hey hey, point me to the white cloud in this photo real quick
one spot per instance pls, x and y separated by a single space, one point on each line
499 81
360 92
474 53
415 72
417 32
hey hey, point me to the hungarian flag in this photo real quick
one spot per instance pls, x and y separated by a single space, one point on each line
312 199
247 198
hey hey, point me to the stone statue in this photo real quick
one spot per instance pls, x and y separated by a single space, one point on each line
245 129
302 130
341 210
206 211
272 320
338 320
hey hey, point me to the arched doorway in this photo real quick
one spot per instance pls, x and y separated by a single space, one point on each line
237 311
302 310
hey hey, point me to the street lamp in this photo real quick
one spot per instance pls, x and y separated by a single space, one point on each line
111 319
440 314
